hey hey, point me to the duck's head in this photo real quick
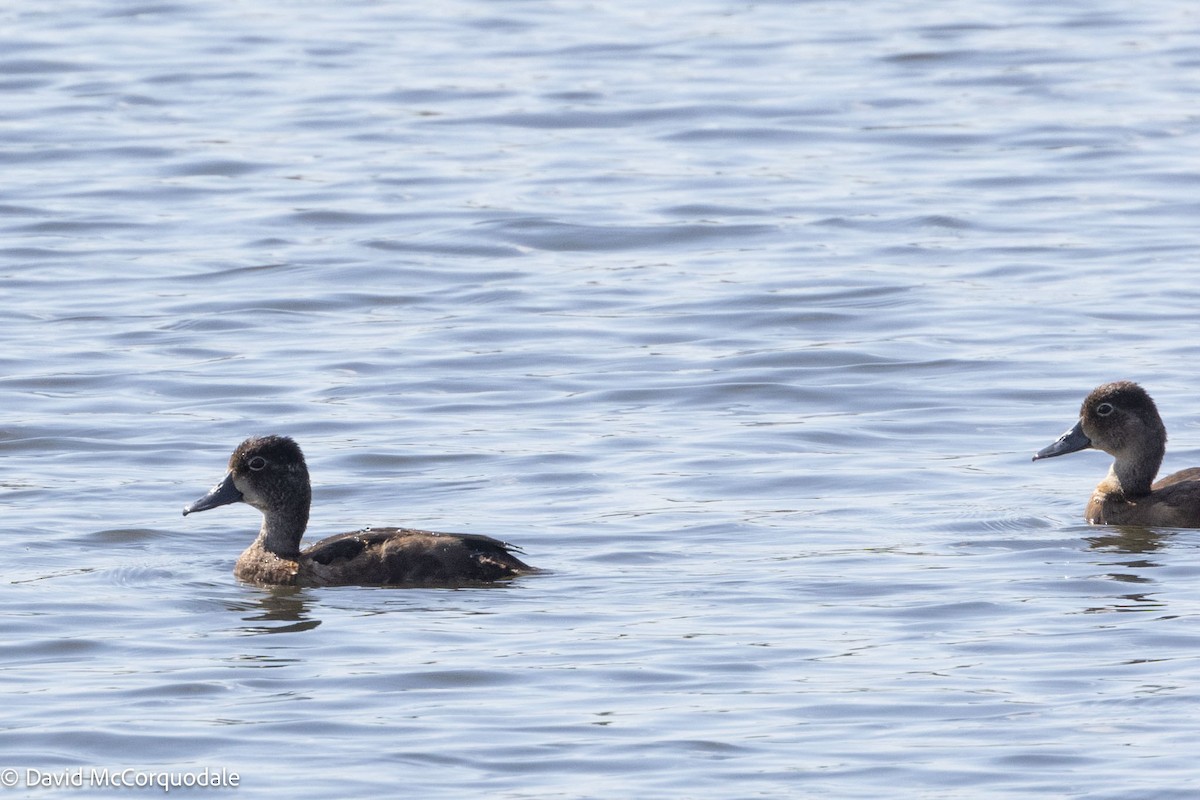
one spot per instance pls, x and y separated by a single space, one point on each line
1118 418
267 472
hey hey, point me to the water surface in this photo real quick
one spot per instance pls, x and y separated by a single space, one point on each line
743 320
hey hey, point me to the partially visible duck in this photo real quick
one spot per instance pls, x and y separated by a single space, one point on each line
1121 419
269 473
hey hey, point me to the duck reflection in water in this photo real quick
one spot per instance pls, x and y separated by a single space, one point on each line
282 609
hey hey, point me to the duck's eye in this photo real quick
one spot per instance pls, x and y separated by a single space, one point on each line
257 463
1104 409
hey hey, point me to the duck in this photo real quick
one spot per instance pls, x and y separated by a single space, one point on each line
1121 419
270 474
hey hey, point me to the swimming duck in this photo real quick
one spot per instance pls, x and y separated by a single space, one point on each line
269 473
1121 419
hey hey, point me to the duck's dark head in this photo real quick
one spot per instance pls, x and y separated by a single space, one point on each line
1118 418
267 472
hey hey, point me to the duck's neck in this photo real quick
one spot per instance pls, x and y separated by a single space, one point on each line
282 529
1133 473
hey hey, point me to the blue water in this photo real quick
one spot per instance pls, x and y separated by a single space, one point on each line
742 320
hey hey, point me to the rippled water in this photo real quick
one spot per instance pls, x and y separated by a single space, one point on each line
743 320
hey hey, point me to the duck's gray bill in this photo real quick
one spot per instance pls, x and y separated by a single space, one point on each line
1071 441
222 494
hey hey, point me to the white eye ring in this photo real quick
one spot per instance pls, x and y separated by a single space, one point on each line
1104 409
257 464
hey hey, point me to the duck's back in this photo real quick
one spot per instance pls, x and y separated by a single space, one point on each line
1179 497
403 556
1190 475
